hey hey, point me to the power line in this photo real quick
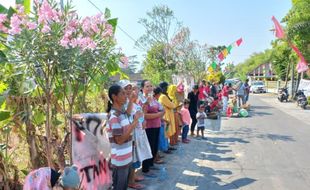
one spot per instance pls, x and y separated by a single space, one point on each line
135 41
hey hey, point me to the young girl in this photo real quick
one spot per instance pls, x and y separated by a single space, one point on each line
201 116
120 135
186 120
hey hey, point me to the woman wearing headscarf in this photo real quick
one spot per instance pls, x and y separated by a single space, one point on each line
169 107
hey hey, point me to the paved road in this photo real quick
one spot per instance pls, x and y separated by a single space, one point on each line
266 151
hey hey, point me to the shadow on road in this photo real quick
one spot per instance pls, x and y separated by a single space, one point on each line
250 133
276 137
215 158
260 107
220 140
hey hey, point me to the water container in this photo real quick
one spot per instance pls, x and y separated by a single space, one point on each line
141 119
142 98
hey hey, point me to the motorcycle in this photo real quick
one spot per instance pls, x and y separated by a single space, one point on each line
283 94
301 99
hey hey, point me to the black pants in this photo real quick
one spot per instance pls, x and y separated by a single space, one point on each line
120 178
153 137
194 121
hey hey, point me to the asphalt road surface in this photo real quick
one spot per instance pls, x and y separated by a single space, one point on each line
266 151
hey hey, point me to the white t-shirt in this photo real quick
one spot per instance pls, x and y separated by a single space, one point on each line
201 122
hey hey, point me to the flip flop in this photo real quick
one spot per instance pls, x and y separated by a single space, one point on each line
139 178
136 186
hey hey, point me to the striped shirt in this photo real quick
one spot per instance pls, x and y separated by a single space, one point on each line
121 154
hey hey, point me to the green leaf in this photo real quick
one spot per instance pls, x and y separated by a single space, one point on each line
19 1
2 99
3 10
107 13
2 57
27 6
113 22
56 122
11 11
25 172
4 115
38 117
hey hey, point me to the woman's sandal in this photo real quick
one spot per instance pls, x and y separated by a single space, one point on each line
136 186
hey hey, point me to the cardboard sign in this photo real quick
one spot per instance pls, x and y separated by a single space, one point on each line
91 152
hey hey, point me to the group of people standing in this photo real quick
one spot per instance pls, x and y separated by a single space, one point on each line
145 121
142 120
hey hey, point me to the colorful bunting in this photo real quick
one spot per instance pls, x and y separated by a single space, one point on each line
227 50
278 29
213 65
238 42
221 56
302 65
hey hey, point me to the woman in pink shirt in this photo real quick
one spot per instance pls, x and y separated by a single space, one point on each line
152 114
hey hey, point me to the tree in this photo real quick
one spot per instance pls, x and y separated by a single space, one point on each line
190 57
155 68
160 27
52 61
298 26
281 59
242 69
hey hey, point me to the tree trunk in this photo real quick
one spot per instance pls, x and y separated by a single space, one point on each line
287 74
298 81
30 137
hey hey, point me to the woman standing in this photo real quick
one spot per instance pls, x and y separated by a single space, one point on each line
169 107
153 116
120 136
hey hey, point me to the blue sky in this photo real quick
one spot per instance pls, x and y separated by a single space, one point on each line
215 22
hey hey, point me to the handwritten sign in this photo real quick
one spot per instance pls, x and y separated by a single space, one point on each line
91 151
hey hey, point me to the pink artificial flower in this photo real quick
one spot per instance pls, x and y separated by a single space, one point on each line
69 31
14 31
20 9
46 29
73 23
108 31
31 25
47 13
15 25
74 43
3 18
92 45
64 42
15 21
95 28
3 28
86 24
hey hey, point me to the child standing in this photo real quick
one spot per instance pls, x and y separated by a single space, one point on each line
186 120
201 116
